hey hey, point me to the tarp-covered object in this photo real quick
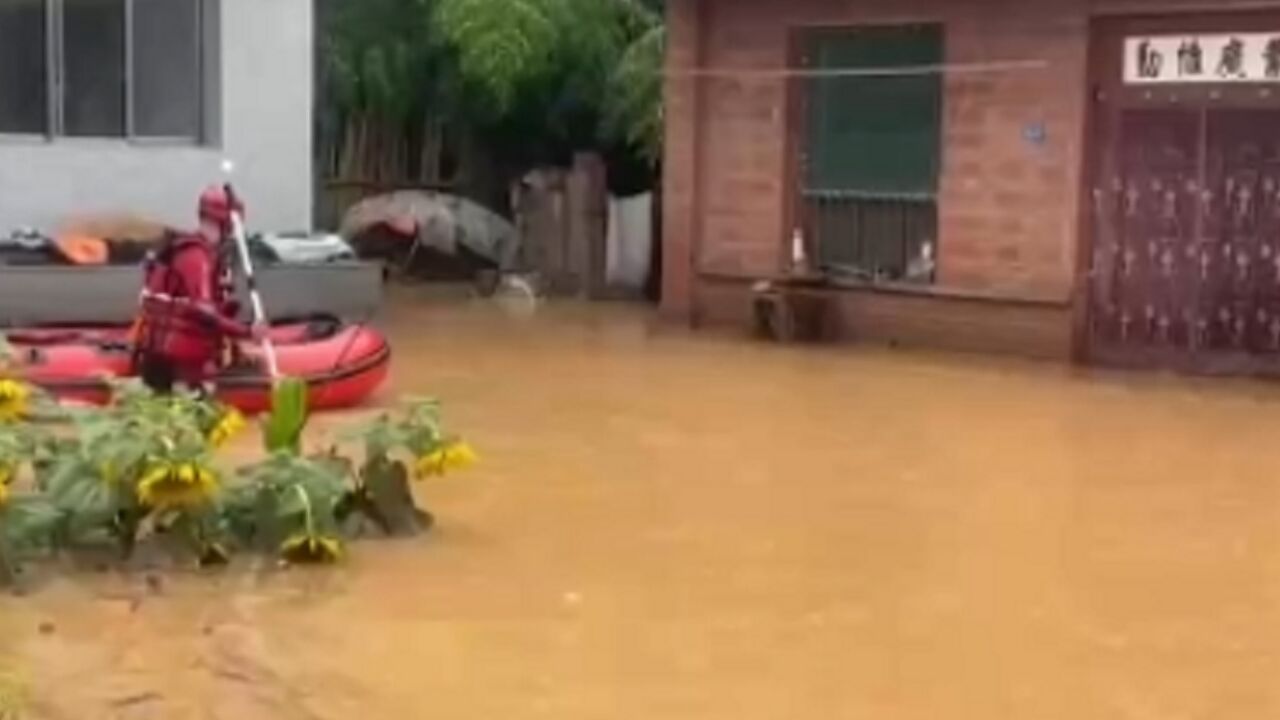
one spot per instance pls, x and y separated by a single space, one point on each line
28 248
303 248
444 223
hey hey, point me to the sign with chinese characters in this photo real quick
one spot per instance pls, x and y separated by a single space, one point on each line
1217 58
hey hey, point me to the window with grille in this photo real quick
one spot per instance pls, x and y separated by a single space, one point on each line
872 150
106 68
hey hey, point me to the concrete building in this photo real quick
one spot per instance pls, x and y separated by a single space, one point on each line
111 106
1089 179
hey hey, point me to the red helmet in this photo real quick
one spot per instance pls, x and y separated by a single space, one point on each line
216 205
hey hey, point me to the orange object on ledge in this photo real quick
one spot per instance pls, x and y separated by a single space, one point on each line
82 249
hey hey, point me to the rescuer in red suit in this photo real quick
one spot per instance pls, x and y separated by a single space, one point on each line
188 316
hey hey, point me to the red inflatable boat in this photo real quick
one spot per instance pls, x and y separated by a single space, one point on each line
342 364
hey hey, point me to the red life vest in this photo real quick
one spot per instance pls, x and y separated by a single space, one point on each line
184 302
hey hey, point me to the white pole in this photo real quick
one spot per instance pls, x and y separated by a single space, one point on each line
255 298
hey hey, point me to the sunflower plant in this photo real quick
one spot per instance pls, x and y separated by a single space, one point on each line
287 506
287 502
15 398
144 468
142 465
26 517
409 443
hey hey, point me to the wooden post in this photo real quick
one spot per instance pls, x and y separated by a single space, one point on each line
588 216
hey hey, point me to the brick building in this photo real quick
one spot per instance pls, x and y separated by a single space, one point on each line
1088 179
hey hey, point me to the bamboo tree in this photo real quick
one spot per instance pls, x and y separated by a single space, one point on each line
529 79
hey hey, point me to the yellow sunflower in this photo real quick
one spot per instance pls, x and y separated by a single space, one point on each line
228 426
4 494
456 455
177 486
13 400
311 548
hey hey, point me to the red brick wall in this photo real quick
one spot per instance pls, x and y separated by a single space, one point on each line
1008 208
680 163
916 320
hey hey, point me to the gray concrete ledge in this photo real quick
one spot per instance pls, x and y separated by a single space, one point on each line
47 294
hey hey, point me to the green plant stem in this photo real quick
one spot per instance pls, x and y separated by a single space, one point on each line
307 511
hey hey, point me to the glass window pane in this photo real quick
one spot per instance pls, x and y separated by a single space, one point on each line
166 68
24 106
93 50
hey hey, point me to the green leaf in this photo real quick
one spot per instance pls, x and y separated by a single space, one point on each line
501 46
199 535
333 464
290 503
268 531
87 505
387 499
65 477
238 511
323 481
28 522
283 429
292 491
633 105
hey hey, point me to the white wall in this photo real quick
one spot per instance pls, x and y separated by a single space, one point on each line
266 128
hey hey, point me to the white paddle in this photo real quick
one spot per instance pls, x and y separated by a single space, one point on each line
251 282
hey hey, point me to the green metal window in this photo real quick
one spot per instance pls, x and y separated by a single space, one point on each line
872 151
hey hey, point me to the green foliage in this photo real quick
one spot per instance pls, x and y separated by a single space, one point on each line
26 530
141 462
410 442
518 74
415 430
18 444
392 443
288 418
384 498
633 104
284 496
143 469
500 46
382 56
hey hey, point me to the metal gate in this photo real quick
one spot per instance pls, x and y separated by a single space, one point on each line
1185 266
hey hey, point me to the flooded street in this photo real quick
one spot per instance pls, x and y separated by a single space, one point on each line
682 526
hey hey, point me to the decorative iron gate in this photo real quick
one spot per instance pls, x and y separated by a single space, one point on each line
1185 266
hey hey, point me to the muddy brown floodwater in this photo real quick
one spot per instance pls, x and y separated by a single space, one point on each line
675 526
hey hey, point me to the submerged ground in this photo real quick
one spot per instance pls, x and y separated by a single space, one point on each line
675 526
